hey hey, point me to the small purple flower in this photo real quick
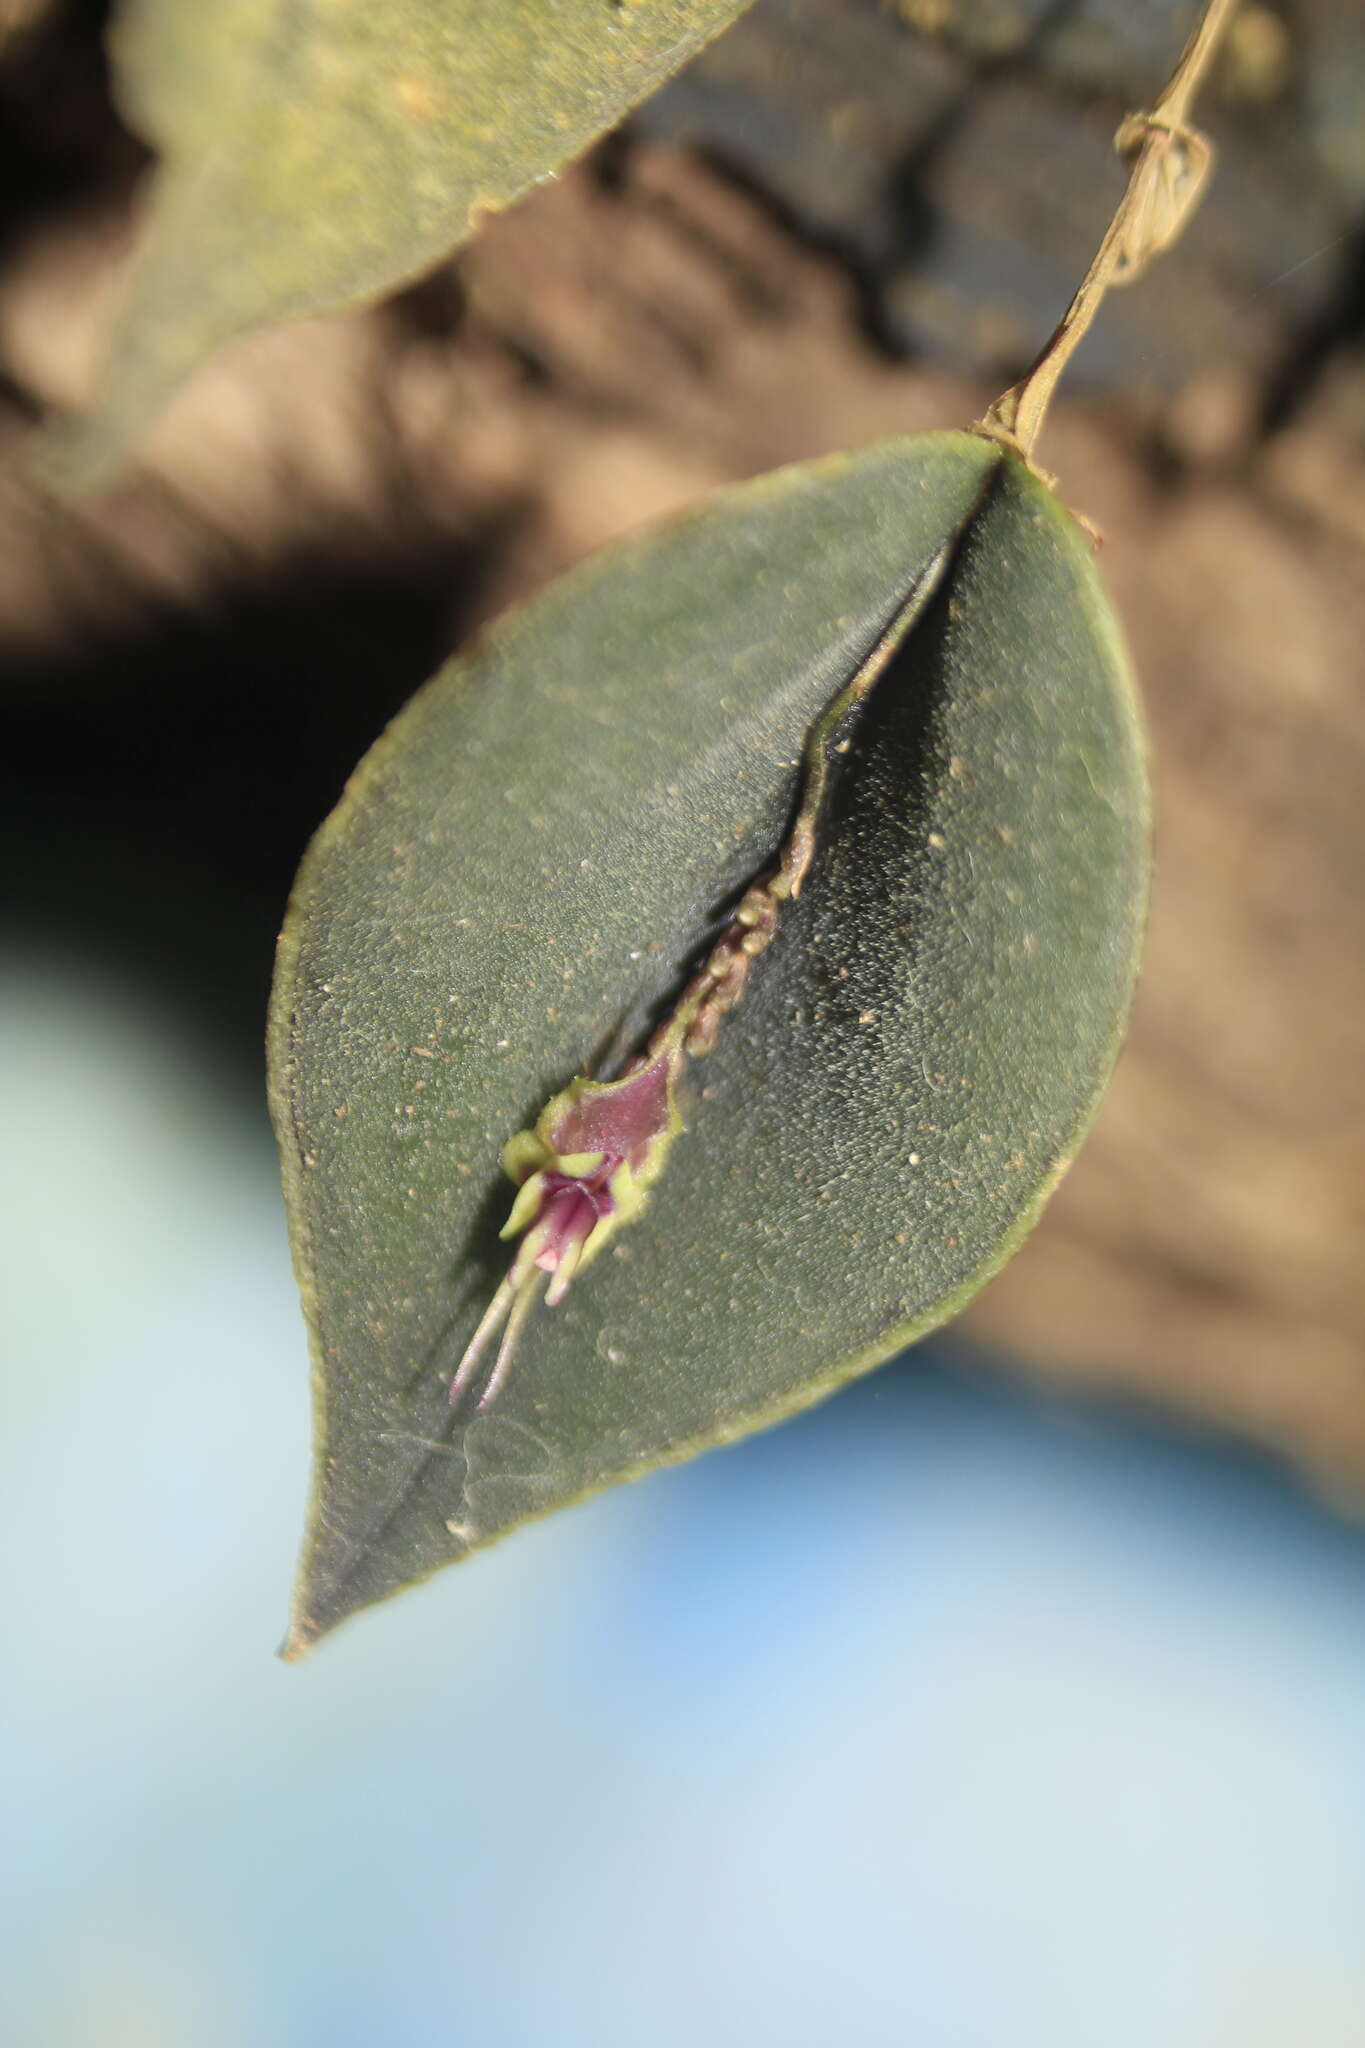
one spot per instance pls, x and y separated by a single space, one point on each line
586 1168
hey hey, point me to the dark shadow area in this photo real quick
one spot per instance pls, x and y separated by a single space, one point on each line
158 789
1338 326
61 139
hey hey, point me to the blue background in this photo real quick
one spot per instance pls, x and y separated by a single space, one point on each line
940 1716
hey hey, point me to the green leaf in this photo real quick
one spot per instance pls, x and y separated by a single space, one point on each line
518 876
315 152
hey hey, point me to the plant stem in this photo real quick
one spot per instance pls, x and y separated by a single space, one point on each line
1169 164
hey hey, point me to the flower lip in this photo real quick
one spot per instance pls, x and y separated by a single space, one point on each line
617 1118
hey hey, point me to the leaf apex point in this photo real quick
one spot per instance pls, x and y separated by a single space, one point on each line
299 1640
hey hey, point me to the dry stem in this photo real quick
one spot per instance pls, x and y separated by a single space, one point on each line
1169 164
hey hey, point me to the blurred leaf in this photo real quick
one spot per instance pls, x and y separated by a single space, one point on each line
519 873
315 152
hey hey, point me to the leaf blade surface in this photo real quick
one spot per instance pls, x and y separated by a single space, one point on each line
317 152
519 874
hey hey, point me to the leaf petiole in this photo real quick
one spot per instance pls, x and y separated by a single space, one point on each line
1169 164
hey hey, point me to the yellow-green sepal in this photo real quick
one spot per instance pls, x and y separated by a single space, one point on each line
525 1206
524 1155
